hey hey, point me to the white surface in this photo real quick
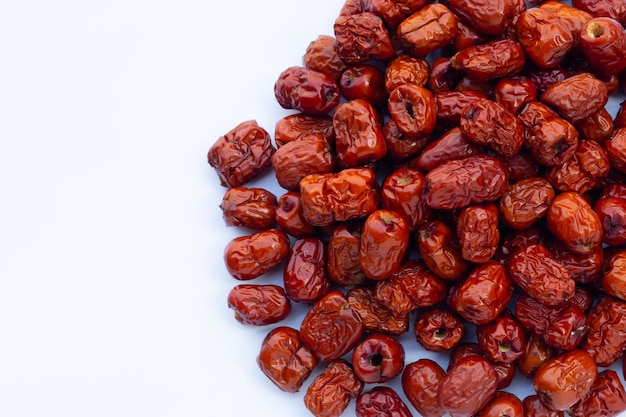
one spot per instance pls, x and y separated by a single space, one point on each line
112 287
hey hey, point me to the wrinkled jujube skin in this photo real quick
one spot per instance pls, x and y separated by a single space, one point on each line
505 371
582 268
410 287
331 391
440 250
565 379
603 42
610 8
375 314
535 354
534 407
308 91
381 401
467 36
545 39
438 330
478 232
361 37
285 360
304 277
503 404
401 147
614 278
390 11
489 17
515 92
525 202
241 154
598 127
420 381
612 214
452 145
605 398
443 75
490 60
534 270
248 257
459 183
502 340
378 358
432 27
384 242
572 220
254 208
521 165
345 195
606 338
402 192
344 262
484 294
365 82
332 327
459 395
572 17
616 149
577 97
359 136
414 110
289 215
406 69
450 105
322 56
259 305
299 125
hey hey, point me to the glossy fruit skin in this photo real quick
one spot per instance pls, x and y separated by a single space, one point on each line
450 105
606 339
459 395
565 379
332 327
550 139
616 150
299 125
285 360
598 127
259 305
361 37
390 12
384 241
365 82
484 294
410 287
443 75
502 340
402 192
614 278
503 404
414 110
344 262
545 40
420 381
381 401
513 93
375 314
254 208
478 232
603 42
534 270
248 257
432 27
605 398
612 214
241 154
289 215
345 195
378 358
401 147
359 137
473 180
438 330
406 69
533 407
572 17
320 55
535 354
297 159
451 145
576 97
615 9
304 277
489 17
308 91
525 202
331 391
490 60
572 220
440 250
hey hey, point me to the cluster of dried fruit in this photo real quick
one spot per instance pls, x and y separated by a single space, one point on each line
452 160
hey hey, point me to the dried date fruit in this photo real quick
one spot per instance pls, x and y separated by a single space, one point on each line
605 398
304 276
332 327
582 268
375 314
259 305
322 56
297 159
344 261
452 145
402 193
400 147
489 17
406 69
490 60
443 75
565 379
438 330
545 39
598 127
378 358
455 184
525 202
254 208
384 241
248 257
606 338
420 381
289 215
241 154
503 404
502 340
361 37
515 92
535 354
439 250
577 97
612 214
308 91
430 28
616 150
331 391
285 360
388 10
414 110
365 82
459 395
534 407
477 229
450 105
615 9
381 401
296 126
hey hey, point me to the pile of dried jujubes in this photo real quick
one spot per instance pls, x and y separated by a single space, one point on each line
450 165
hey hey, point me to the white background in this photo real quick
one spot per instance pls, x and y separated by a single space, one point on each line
112 287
